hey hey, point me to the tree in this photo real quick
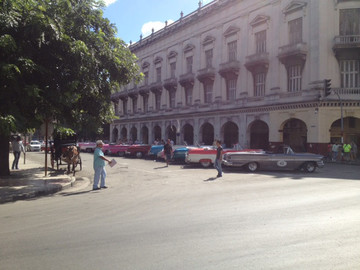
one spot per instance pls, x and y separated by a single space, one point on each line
59 60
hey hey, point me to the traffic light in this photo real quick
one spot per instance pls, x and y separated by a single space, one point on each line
327 87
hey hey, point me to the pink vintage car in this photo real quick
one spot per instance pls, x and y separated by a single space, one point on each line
115 149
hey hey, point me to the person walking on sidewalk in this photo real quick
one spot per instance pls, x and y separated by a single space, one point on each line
168 151
17 147
99 166
218 159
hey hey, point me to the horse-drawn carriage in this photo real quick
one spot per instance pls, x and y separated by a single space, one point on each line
65 149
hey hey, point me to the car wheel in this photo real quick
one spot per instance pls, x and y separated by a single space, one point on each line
88 150
120 154
139 155
309 167
106 152
252 167
205 164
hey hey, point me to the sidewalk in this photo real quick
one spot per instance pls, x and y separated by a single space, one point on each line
30 181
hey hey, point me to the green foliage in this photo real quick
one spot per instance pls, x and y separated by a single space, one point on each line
63 133
61 60
7 125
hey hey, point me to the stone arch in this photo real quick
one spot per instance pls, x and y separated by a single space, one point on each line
207 134
259 135
351 130
145 135
188 133
123 134
171 133
295 134
157 133
133 134
230 134
115 134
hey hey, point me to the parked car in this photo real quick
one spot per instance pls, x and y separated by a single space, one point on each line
206 155
155 150
284 159
179 153
34 146
138 150
87 146
115 149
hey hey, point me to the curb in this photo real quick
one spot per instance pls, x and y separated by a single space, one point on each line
48 190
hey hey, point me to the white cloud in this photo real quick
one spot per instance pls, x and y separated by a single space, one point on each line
109 2
146 29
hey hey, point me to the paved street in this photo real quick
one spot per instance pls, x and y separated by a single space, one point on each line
153 217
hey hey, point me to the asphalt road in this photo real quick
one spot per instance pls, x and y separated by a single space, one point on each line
153 217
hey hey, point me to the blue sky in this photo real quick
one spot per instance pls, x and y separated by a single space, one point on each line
135 17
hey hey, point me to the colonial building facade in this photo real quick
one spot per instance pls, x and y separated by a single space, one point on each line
249 72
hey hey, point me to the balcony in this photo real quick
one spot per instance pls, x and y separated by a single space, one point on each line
258 62
144 90
156 87
206 74
134 92
293 54
229 69
345 45
170 84
345 94
187 79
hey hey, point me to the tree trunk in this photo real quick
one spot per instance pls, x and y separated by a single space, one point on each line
4 155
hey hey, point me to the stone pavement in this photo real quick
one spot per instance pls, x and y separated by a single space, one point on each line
30 181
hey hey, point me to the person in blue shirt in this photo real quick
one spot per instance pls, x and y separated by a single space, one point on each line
99 166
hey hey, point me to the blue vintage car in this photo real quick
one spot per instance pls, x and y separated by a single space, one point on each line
180 153
155 150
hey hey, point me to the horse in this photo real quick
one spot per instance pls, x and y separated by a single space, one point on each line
71 155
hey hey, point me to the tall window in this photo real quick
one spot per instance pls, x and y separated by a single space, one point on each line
260 40
172 69
259 87
145 102
125 106
232 51
172 99
295 31
350 73
349 22
157 101
294 78
146 77
188 95
231 89
158 74
189 63
134 102
209 58
208 89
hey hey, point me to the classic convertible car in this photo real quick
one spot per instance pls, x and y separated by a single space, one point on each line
284 159
206 155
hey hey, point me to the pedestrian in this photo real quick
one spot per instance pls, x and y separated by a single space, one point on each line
17 147
335 149
347 149
99 166
353 151
168 151
218 159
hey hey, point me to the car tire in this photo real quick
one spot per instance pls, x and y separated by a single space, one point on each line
252 166
139 154
120 154
309 167
205 164
88 150
106 152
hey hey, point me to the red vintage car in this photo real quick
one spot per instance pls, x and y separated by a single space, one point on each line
138 150
115 149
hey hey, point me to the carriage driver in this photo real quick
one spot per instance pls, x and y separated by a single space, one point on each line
99 166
